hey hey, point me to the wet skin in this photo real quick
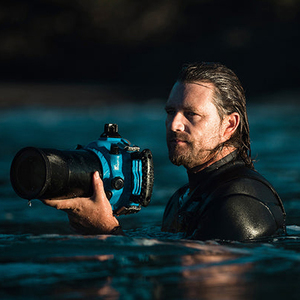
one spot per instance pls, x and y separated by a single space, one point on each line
194 127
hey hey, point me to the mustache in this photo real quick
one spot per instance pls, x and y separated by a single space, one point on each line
181 136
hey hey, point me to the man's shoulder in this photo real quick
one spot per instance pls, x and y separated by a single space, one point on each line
250 184
238 179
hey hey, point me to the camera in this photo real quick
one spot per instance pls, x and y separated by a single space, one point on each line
127 172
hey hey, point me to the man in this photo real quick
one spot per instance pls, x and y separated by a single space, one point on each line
208 133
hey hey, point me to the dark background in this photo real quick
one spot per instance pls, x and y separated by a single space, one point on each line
144 43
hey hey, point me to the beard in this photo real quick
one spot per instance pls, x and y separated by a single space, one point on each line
186 154
189 154
178 158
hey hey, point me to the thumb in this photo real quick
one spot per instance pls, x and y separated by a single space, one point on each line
100 197
97 182
99 192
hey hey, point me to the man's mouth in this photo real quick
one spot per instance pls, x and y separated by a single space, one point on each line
177 139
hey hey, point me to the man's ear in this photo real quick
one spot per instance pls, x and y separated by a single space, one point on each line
229 125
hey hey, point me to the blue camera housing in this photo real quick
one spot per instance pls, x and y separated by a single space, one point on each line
127 173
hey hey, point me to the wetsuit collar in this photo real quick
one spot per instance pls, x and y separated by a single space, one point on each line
201 176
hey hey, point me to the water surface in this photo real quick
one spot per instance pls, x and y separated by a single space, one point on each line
41 258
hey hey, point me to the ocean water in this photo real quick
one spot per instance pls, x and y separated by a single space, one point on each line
40 258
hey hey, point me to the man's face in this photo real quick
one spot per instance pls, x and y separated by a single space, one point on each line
193 125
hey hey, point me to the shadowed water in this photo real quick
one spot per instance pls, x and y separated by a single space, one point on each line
41 258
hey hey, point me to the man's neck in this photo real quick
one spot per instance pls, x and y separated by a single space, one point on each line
212 158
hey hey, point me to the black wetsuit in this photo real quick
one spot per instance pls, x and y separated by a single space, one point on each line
228 201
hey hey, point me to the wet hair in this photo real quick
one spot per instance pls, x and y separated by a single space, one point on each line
229 97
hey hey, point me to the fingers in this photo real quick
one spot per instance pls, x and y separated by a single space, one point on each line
59 204
99 196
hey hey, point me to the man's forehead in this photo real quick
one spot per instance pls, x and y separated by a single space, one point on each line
206 85
190 92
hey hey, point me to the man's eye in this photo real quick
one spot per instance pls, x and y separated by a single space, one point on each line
190 114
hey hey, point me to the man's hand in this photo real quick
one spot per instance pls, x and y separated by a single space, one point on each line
89 215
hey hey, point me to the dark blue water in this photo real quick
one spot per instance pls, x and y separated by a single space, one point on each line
42 259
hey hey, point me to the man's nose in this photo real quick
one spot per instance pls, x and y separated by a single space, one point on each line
177 122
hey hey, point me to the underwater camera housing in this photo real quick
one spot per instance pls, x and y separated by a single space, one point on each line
127 172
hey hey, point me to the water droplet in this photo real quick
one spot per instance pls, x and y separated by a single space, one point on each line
29 203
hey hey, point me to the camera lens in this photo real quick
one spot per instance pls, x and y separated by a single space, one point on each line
50 173
28 173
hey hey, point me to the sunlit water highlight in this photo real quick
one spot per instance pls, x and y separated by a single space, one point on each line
42 259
